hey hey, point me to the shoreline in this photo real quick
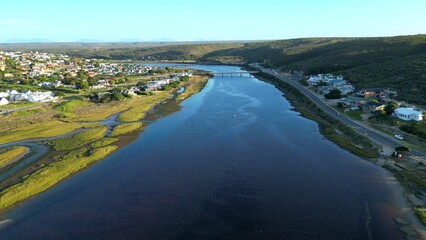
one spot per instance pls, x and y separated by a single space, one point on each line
399 194
397 188
48 156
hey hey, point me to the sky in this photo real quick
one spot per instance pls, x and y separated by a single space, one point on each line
206 20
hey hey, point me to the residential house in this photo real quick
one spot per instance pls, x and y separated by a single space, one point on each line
376 93
408 114
18 97
100 84
373 106
3 101
40 96
4 94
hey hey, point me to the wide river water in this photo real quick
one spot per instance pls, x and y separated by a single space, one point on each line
234 163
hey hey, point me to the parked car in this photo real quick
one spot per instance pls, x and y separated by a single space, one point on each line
398 136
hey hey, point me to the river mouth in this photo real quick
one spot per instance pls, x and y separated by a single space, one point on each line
232 162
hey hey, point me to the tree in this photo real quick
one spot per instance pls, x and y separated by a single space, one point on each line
185 78
402 149
390 108
333 94
91 81
82 85
52 78
117 96
341 104
82 75
380 113
42 78
304 82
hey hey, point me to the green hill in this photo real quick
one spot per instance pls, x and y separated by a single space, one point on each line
390 62
387 62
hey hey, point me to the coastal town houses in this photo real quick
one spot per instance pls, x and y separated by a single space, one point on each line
328 82
376 93
408 114
157 84
101 84
15 96
3 101
371 107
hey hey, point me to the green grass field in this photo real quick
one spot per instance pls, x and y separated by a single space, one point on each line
125 128
103 142
78 139
355 114
68 108
51 174
140 107
9 154
38 130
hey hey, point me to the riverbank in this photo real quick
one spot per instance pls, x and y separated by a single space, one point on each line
87 147
355 143
331 128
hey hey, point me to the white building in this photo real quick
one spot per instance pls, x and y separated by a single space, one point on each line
408 114
3 101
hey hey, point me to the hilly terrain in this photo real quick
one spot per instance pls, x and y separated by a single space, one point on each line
386 62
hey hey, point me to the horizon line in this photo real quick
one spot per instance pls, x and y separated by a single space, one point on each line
96 41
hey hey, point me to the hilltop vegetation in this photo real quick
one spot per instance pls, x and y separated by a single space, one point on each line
395 62
387 62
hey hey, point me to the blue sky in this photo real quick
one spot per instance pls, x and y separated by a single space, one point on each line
193 20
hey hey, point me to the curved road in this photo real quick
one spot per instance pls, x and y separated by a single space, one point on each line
382 139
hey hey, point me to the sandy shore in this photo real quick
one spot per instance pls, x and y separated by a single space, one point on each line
405 206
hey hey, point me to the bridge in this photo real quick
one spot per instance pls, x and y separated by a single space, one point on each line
240 73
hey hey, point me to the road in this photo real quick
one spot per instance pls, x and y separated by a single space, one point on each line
378 137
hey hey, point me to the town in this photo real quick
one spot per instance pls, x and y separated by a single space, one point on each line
371 102
52 74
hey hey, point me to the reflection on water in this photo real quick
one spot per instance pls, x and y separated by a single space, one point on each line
232 162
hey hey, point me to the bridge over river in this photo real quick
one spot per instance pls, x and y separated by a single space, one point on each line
238 73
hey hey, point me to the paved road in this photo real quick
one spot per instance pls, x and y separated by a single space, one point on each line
378 137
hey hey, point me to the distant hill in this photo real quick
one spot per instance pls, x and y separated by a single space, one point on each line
388 62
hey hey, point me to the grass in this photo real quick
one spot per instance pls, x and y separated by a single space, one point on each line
413 178
20 104
125 128
139 108
78 139
11 153
346 143
38 130
51 174
355 114
196 84
103 142
70 106
24 112
421 213
98 112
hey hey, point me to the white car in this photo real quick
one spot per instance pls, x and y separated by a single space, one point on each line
399 137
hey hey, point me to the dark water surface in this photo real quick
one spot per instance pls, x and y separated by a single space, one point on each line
234 163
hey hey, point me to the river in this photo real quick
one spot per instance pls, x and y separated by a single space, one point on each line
234 163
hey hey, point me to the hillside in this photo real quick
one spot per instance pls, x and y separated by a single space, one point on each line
124 50
388 62
392 62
